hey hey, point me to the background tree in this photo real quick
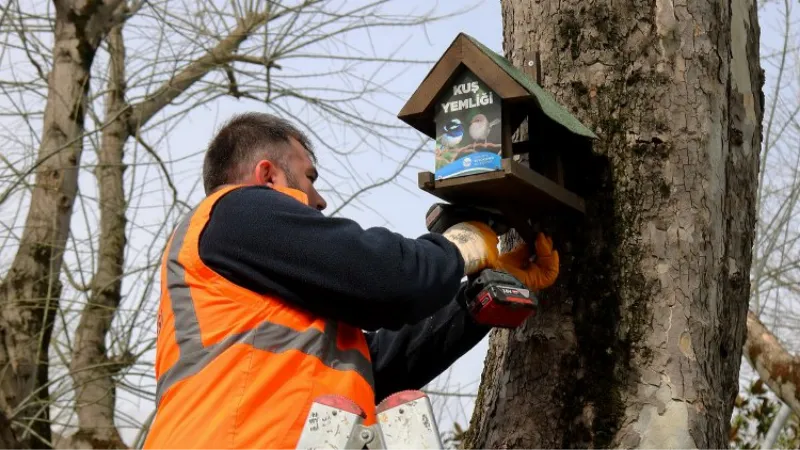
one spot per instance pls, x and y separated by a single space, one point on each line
133 177
639 344
772 321
99 191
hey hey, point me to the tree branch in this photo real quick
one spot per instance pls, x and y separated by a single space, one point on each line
779 369
183 80
257 60
92 370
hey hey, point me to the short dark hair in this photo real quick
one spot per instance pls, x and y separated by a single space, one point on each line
244 139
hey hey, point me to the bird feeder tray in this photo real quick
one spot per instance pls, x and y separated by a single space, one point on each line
471 103
513 187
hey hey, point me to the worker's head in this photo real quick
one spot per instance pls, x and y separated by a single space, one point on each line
261 149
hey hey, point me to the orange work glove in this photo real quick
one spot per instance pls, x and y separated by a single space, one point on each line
477 243
539 275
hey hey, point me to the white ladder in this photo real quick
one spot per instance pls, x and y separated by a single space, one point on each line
404 420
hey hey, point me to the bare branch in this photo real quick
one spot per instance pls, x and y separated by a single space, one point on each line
144 111
180 61
779 369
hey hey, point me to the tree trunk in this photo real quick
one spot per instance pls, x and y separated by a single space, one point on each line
7 438
639 342
91 368
31 288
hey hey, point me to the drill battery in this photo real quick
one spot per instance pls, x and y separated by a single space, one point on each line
499 300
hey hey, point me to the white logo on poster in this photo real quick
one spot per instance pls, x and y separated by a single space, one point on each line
467 162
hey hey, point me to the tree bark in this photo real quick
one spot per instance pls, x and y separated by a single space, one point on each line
31 288
91 368
7 438
639 342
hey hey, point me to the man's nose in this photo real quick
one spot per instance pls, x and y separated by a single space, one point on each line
321 203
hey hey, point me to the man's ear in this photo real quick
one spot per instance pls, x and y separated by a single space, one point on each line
265 173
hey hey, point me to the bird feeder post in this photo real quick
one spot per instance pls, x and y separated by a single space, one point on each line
507 134
474 82
549 163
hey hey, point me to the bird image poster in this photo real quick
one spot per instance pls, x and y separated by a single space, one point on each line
468 129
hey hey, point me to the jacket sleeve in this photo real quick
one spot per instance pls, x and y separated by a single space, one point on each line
413 356
270 243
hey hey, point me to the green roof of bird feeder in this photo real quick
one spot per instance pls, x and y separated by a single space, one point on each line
486 83
497 72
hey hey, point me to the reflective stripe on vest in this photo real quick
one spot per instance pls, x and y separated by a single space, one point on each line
267 336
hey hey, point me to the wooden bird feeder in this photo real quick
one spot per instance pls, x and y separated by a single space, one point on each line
472 102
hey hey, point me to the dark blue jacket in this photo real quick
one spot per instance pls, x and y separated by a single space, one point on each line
405 293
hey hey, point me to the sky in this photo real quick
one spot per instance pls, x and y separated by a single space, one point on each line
399 206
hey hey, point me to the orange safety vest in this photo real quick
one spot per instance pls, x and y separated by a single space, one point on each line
236 369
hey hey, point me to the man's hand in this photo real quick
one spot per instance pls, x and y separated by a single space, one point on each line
539 275
477 243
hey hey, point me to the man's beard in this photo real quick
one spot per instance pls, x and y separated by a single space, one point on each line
291 181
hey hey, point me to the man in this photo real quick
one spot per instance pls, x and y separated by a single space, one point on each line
264 299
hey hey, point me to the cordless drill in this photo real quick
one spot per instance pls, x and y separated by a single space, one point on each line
493 297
